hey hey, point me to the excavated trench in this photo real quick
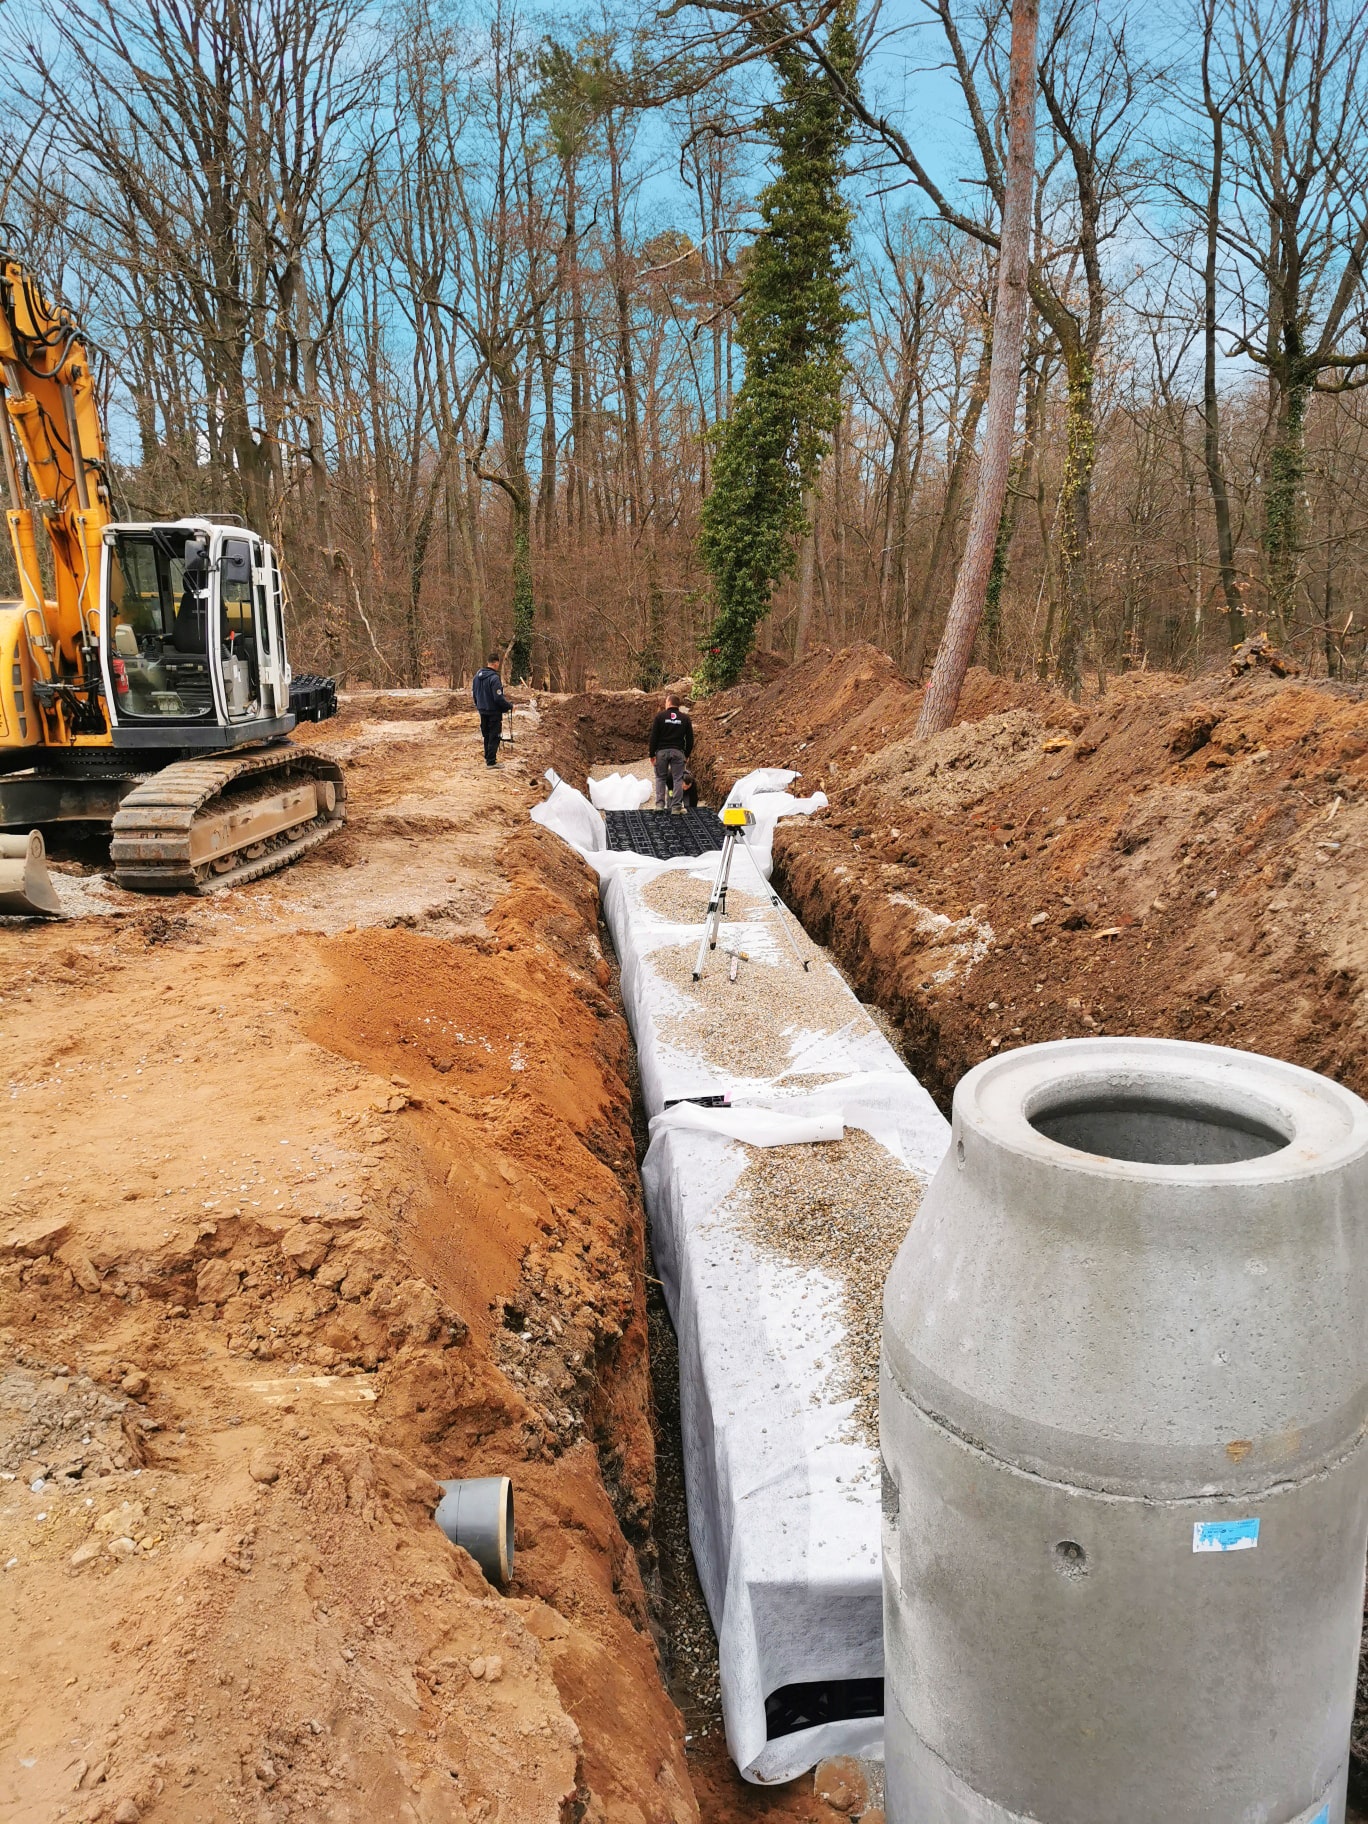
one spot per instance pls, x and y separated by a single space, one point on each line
679 1613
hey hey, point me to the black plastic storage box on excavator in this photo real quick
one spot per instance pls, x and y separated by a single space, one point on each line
662 834
313 699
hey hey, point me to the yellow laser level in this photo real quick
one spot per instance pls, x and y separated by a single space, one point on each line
736 820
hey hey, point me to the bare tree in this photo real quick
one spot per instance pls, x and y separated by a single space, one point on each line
1295 217
1009 328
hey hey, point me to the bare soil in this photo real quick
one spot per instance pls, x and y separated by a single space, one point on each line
316 1193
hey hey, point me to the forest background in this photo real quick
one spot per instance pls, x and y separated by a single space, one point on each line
444 298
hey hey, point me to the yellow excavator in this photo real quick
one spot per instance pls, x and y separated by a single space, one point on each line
144 677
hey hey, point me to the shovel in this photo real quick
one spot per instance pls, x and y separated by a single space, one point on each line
24 883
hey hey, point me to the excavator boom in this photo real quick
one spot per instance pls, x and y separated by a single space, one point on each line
52 423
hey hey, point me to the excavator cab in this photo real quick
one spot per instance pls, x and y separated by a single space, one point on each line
191 635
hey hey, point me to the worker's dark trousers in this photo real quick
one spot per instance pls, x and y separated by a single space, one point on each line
491 728
669 775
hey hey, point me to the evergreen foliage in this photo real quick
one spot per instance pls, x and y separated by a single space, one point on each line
791 323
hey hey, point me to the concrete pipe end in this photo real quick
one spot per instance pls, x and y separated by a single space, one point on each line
477 1515
1142 1268
1160 1110
1123 1404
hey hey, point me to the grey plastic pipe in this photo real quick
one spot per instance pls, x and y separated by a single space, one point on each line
1122 1410
478 1515
25 885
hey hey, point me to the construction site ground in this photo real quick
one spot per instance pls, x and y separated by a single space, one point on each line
325 1189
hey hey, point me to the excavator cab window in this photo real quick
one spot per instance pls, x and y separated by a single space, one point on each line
238 629
157 612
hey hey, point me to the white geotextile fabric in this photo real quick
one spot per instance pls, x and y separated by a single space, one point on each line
783 1495
571 815
619 792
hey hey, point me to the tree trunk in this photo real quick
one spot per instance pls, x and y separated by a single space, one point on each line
806 565
1009 328
1282 506
520 668
471 557
1018 477
1080 455
413 618
578 505
1211 433
517 486
945 527
651 667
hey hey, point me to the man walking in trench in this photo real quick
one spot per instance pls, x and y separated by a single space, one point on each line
671 744
488 692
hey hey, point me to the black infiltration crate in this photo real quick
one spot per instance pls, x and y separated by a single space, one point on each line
313 699
662 834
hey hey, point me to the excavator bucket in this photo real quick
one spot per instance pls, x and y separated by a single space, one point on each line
25 886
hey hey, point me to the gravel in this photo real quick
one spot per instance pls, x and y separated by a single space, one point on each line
683 899
747 1028
841 1208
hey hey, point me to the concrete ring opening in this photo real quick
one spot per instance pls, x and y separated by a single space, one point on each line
1150 1126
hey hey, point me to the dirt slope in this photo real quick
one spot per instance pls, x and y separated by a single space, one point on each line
1178 857
317 1194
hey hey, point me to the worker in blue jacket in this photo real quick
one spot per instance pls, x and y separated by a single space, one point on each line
488 692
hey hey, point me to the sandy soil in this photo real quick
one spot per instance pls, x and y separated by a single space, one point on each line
316 1194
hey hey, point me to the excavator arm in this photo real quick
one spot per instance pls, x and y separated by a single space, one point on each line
53 451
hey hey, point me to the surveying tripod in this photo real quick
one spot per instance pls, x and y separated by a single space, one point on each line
735 822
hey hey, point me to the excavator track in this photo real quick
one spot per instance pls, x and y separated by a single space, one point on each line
199 826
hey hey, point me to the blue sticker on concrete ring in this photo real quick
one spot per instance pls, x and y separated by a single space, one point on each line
1227 1536
1322 1816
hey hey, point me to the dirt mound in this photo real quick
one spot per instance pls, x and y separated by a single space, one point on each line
836 712
359 706
598 727
952 771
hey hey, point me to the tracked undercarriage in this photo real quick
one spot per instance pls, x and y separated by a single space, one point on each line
199 826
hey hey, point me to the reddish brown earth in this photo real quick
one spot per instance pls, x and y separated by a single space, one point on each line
317 1194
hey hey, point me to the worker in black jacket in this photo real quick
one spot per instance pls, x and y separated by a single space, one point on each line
671 744
488 692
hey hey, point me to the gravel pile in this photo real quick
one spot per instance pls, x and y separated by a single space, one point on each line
744 1027
842 1208
58 1424
684 900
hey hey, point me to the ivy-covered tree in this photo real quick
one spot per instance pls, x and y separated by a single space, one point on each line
791 322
